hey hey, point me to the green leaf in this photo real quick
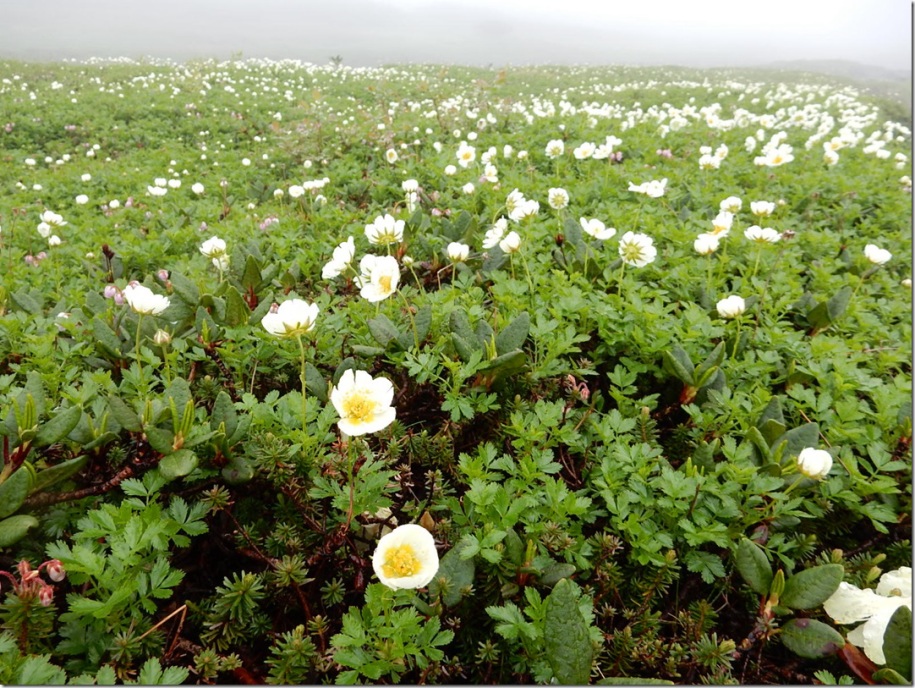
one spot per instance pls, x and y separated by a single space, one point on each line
512 337
160 439
126 417
178 465
55 474
460 325
811 587
315 382
795 440
383 330
752 564
464 347
454 574
238 471
58 427
713 360
678 364
555 572
897 642
890 677
237 311
224 413
14 490
423 321
105 337
810 638
37 670
565 636
185 289
26 302
14 528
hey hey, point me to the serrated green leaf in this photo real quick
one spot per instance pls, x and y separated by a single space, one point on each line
26 302
810 638
423 321
811 587
14 528
58 427
184 288
514 335
752 564
460 325
106 338
897 642
237 311
565 636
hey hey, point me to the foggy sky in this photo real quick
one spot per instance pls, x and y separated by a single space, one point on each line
697 33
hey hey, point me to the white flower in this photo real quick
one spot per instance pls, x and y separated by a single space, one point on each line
406 558
53 240
174 183
709 162
385 230
762 235
705 244
379 277
450 170
511 243
877 255
584 151
558 198
390 155
156 190
732 204
637 249
467 188
86 177
596 228
466 154
296 191
731 307
198 188
143 301
82 199
555 148
762 208
363 403
341 259
160 182
214 247
457 252
849 605
494 235
52 219
830 157
221 263
293 318
653 189
409 185
44 229
114 203
814 463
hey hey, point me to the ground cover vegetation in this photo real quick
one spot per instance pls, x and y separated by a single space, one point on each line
316 374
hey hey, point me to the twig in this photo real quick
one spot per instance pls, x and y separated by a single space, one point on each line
48 498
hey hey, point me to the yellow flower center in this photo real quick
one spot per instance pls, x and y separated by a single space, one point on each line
385 283
631 252
400 562
359 407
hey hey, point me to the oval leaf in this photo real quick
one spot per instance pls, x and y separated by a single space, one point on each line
565 633
812 587
753 566
14 528
811 638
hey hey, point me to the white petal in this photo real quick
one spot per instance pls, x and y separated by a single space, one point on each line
849 605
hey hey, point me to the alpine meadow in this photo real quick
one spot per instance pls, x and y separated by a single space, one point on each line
316 374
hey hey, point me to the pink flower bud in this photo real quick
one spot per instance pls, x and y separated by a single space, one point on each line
46 595
163 275
110 291
56 570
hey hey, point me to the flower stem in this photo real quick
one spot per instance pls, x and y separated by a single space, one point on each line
619 286
139 359
736 340
412 320
304 400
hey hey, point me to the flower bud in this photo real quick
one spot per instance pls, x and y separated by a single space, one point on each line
46 595
56 570
162 338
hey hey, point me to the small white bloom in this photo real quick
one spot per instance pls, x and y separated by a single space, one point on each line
877 255
467 188
296 191
197 188
637 249
390 155
160 182
379 276
466 154
450 170
850 605
457 252
653 188
293 318
558 198
705 244
174 183
762 208
731 307
555 148
53 240
596 228
494 235
156 190
363 403
732 204
82 199
584 151
762 235
86 177
406 558
143 301
385 230
814 463
342 258
511 243
409 185
213 247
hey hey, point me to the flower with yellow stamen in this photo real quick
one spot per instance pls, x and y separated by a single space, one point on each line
363 402
406 558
